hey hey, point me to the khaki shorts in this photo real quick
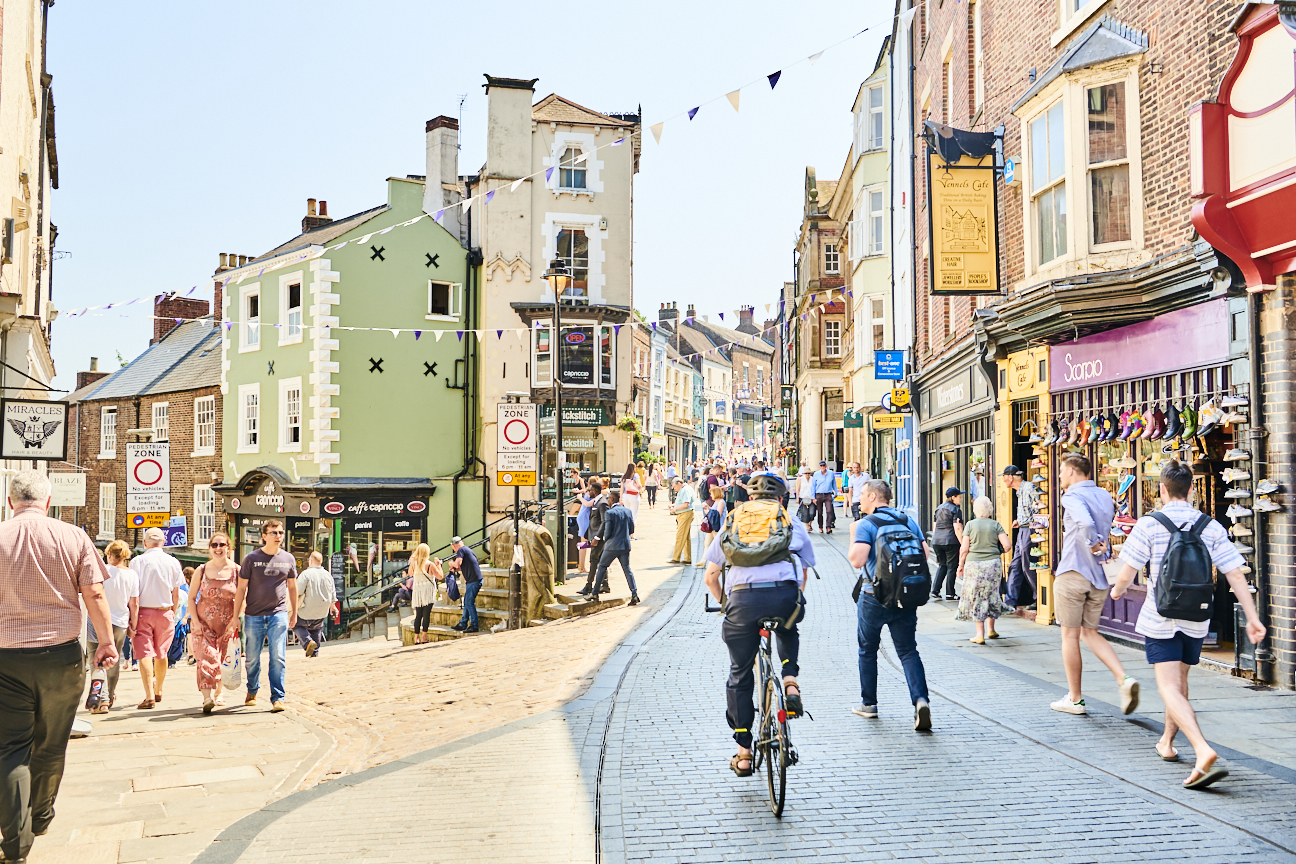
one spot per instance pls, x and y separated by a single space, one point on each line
1078 602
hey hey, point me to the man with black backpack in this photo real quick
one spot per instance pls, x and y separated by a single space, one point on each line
889 545
767 555
1180 544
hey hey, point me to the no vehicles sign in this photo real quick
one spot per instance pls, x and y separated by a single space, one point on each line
148 478
515 438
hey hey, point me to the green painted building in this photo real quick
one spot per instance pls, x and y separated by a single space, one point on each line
360 440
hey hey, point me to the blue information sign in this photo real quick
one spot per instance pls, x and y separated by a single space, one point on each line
888 365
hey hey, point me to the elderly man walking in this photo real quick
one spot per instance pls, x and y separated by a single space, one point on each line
160 577
44 565
682 507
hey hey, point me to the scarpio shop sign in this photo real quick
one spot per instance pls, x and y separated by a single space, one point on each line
1196 336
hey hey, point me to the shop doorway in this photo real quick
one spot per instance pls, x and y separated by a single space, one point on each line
834 448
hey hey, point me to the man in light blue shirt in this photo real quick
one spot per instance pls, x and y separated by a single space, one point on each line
770 590
824 485
1080 586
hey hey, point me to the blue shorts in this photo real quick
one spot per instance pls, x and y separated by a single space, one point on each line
1180 648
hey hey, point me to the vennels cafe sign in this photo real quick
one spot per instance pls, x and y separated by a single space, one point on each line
1199 335
1243 148
962 212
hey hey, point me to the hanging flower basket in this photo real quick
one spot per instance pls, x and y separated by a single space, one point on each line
629 424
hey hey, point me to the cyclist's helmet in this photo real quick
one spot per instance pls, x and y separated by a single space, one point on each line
766 486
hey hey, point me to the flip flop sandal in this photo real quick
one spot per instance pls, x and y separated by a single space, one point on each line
1173 757
742 757
146 704
157 697
1214 775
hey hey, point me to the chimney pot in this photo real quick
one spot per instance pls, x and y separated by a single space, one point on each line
310 206
323 208
224 260
242 260
94 364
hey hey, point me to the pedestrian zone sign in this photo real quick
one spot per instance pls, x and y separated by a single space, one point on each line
148 483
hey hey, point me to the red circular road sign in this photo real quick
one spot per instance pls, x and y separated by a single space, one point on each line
517 431
148 472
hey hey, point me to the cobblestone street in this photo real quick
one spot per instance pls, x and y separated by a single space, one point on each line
1001 776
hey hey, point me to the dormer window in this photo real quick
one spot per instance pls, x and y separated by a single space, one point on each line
571 174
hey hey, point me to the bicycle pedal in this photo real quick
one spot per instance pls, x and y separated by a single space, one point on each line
793 757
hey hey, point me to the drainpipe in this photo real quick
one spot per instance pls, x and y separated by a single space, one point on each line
472 258
1263 656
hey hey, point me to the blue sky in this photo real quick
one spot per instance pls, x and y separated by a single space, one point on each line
187 130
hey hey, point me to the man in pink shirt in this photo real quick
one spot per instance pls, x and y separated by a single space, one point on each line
47 568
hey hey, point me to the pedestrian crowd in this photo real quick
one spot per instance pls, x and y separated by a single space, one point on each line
1177 545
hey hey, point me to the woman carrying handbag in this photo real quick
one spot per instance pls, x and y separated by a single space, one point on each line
214 618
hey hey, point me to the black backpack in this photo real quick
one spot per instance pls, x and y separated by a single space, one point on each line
901 579
1184 588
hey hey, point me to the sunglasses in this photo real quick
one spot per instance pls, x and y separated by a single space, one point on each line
217 545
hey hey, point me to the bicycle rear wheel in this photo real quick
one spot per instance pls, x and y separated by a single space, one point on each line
774 733
760 741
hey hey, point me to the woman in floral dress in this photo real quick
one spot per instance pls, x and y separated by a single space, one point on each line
214 618
981 568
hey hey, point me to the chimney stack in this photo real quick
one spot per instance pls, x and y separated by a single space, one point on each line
312 220
690 313
667 317
745 324
443 170
218 304
84 378
168 307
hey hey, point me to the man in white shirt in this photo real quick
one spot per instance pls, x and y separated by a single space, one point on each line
318 600
160 577
682 507
121 590
855 480
1173 645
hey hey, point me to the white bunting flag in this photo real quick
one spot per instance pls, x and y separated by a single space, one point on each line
657 130
437 334
733 99
395 334
516 183
814 58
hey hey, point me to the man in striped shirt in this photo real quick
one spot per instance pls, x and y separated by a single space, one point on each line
1173 645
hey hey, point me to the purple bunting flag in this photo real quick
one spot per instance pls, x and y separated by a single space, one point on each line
459 333
489 196
618 142
774 78
693 112
436 217
549 174
417 334
229 324
654 326
499 334
721 314
617 329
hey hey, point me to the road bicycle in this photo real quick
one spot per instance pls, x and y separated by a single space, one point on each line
773 744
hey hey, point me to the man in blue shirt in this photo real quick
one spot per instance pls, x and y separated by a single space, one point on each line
824 486
875 500
618 525
1080 586
466 565
757 593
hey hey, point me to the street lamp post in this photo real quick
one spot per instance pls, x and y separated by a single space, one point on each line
559 277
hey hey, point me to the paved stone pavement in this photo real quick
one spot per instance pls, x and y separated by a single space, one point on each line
160 785
641 759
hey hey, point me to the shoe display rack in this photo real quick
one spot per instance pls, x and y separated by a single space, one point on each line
1246 492
1041 557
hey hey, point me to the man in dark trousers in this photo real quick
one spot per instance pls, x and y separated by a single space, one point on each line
593 534
618 525
947 537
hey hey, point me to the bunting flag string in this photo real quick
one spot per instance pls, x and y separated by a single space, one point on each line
485 197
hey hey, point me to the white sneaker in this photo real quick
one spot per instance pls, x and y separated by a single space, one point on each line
1233 417
1238 493
1236 455
1129 689
1233 475
1236 511
1240 530
1233 401
1264 505
1243 549
1265 487
1066 706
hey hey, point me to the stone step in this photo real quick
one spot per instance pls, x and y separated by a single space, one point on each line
574 607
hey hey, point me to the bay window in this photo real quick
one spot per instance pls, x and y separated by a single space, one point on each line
1109 170
1048 183
588 356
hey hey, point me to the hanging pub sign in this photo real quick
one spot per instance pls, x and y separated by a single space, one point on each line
962 211
34 429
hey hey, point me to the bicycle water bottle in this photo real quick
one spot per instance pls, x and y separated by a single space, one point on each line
98 681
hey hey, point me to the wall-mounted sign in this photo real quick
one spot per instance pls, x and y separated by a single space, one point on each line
852 419
516 437
576 415
962 218
900 397
369 507
68 489
34 429
888 421
1010 171
888 365
789 395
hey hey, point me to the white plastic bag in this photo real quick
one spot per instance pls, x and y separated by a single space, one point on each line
232 669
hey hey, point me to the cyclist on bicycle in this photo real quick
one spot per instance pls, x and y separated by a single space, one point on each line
757 593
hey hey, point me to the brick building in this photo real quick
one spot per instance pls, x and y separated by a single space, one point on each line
1111 306
171 392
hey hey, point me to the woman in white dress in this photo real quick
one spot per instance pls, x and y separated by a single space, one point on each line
426 572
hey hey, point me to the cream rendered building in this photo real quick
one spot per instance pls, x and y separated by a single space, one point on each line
580 209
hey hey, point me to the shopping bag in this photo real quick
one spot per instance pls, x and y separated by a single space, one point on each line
232 669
